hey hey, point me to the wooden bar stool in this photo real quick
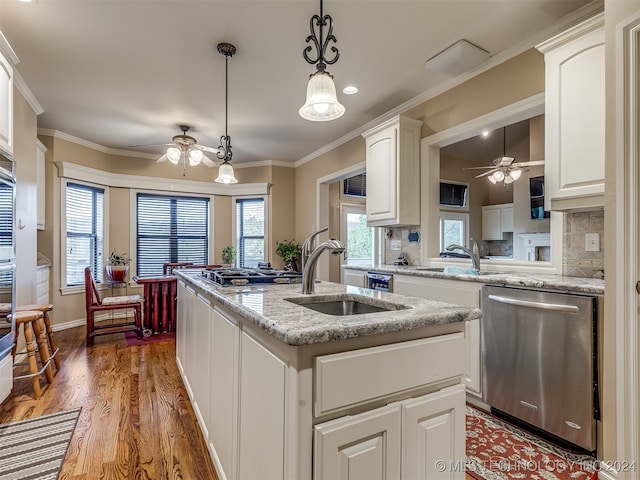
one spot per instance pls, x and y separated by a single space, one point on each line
45 308
33 326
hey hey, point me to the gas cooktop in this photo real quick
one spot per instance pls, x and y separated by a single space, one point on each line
246 276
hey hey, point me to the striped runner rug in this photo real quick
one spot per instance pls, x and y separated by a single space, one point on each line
34 449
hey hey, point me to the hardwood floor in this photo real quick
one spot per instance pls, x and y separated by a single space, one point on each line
136 419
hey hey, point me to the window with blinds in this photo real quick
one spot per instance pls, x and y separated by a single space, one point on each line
250 231
355 186
170 229
85 232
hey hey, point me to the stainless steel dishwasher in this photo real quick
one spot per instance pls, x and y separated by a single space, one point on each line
540 360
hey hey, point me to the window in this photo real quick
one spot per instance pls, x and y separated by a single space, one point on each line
359 239
453 229
355 186
85 231
250 231
170 229
453 195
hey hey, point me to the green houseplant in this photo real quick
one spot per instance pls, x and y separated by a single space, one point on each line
289 250
117 266
228 255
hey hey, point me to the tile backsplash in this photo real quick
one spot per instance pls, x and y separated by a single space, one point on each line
576 262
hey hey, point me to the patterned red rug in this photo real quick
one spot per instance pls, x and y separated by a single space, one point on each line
499 451
130 338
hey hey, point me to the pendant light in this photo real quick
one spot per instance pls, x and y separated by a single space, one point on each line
225 171
322 103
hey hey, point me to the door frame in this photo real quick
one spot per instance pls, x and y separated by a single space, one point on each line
627 258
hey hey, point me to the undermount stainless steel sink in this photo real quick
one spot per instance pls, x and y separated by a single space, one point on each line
344 305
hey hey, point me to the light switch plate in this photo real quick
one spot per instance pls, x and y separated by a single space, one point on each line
592 242
396 245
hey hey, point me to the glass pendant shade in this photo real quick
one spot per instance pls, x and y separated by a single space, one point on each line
173 154
498 176
225 174
508 179
195 156
515 174
491 179
322 103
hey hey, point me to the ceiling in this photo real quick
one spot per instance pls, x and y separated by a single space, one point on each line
123 73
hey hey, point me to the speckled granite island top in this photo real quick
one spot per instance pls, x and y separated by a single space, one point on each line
266 306
514 279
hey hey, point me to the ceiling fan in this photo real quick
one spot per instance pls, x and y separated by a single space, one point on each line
505 169
187 149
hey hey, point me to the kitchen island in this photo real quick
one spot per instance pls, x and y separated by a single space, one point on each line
283 391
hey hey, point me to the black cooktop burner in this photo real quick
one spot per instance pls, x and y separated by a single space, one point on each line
245 276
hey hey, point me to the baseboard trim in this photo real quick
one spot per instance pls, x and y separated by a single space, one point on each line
70 324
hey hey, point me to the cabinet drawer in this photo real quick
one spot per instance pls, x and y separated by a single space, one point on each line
42 275
347 379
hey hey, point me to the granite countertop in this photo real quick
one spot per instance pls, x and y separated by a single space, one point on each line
266 306
515 279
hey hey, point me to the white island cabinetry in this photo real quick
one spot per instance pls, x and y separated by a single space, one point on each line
271 410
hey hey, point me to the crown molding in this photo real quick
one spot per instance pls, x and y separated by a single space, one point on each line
26 92
590 10
139 182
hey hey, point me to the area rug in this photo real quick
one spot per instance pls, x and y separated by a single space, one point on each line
35 448
497 450
130 338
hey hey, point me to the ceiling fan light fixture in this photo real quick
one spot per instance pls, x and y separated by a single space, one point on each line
195 157
491 179
322 103
497 176
508 179
515 174
173 154
226 174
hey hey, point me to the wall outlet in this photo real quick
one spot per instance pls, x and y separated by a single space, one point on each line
592 242
396 244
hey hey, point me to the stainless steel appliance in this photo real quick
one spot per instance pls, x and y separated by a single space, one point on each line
245 276
7 273
380 281
540 360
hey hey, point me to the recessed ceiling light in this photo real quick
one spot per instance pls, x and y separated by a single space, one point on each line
350 89
485 133
25 1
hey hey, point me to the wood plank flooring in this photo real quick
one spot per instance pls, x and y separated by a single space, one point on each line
136 420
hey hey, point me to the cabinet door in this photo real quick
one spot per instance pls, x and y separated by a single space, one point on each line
183 299
185 336
506 217
575 117
360 446
354 278
491 223
433 435
381 177
262 411
473 370
223 434
6 105
201 383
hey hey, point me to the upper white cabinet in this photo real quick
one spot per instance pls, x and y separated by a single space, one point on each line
393 172
40 183
575 117
496 220
6 103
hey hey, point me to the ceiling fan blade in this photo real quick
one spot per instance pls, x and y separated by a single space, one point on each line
208 162
163 158
478 168
151 145
208 149
528 164
488 173
503 161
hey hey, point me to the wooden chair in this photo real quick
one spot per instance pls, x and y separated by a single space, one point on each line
95 303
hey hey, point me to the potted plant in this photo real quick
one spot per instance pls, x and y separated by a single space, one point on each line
117 267
289 251
228 255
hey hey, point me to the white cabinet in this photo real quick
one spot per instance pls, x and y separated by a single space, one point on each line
42 284
355 278
6 105
393 172
407 440
497 220
40 183
367 445
201 363
459 293
575 117
184 329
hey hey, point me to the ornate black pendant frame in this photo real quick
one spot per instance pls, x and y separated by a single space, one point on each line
321 44
224 150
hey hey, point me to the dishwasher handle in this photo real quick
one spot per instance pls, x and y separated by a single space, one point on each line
539 305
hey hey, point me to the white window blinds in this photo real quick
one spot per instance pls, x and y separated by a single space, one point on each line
85 230
170 229
250 231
